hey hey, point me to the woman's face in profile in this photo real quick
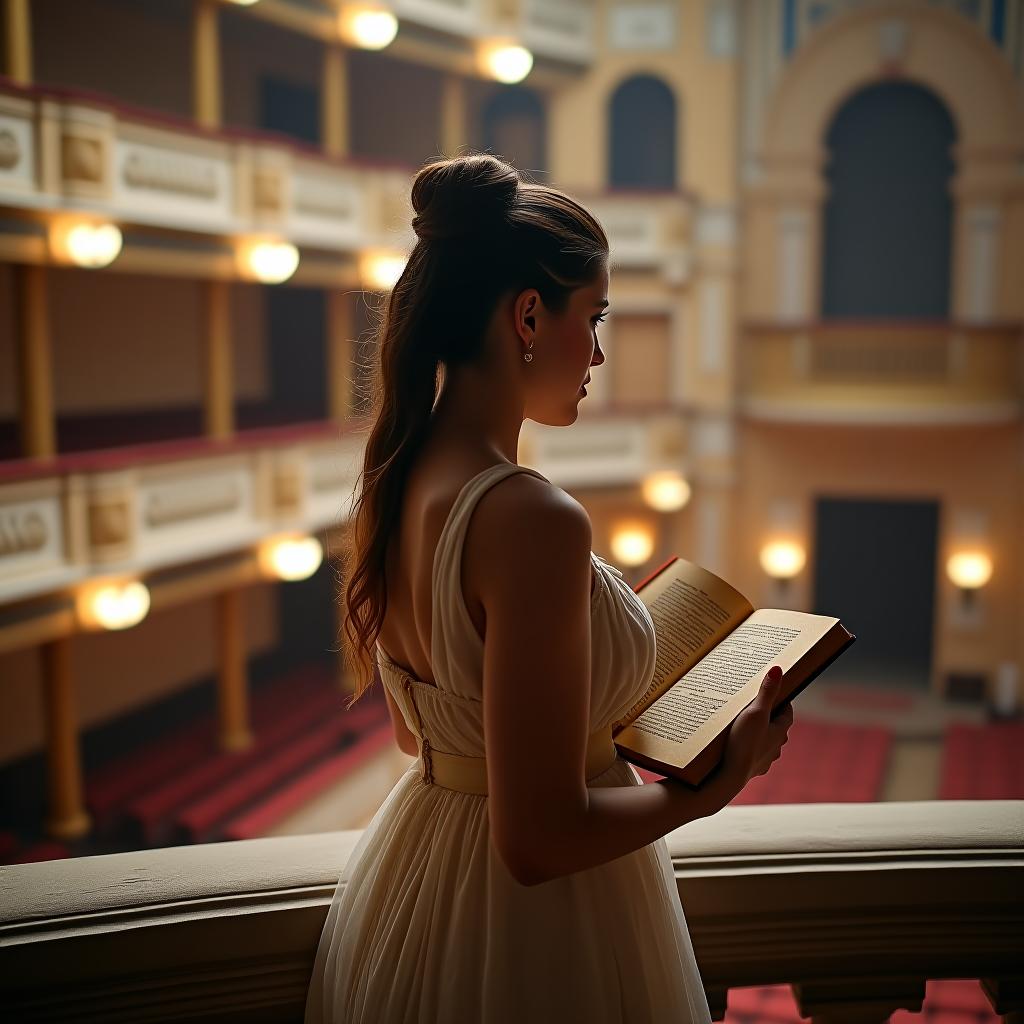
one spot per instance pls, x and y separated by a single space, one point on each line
565 348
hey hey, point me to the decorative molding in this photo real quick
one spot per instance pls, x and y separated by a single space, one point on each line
164 171
643 26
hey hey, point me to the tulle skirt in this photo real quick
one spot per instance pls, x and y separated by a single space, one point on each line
428 926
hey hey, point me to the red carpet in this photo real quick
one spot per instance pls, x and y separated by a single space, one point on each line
823 762
983 762
946 1001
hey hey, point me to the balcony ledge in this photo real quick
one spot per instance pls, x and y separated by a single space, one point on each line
863 902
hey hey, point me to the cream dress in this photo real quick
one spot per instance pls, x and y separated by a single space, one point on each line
427 924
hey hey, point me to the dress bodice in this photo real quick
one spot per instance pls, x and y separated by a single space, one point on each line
451 713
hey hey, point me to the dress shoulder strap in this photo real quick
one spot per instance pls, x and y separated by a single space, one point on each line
455 647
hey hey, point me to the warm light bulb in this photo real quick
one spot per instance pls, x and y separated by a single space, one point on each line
505 62
782 559
84 243
632 544
291 558
367 27
380 271
666 491
969 569
269 262
113 605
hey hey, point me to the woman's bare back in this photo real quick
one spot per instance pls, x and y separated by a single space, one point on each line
433 486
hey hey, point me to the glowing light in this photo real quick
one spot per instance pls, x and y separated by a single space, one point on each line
244 3
268 261
379 271
84 243
969 569
666 491
368 28
291 558
783 559
632 543
113 605
504 61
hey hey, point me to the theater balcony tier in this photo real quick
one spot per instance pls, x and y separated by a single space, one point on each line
188 514
855 906
187 197
883 372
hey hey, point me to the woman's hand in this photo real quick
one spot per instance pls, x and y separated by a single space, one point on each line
754 741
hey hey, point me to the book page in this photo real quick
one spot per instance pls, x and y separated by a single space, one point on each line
692 610
722 683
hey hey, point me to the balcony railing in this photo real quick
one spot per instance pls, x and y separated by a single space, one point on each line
854 905
68 150
883 372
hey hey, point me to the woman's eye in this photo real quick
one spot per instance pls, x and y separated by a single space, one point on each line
600 319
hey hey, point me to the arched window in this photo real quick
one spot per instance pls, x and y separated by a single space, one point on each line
642 134
515 127
888 216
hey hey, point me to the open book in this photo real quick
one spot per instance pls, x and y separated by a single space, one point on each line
713 651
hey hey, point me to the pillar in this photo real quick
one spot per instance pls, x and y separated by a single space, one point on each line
340 362
67 817
218 389
232 682
453 114
206 86
18 41
334 102
35 371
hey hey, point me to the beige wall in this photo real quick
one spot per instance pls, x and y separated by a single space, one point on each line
126 342
968 468
706 93
119 672
139 53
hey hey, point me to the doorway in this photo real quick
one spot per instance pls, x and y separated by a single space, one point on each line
875 570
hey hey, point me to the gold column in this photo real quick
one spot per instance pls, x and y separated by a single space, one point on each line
232 684
206 64
67 817
334 101
35 371
453 114
218 389
339 355
18 41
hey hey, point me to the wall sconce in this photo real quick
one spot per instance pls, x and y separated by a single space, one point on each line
292 557
112 605
666 491
632 543
969 570
85 243
782 560
368 26
380 271
503 60
268 261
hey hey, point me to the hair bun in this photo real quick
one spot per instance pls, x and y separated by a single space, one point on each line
462 195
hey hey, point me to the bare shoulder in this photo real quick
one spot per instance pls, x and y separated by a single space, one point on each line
524 530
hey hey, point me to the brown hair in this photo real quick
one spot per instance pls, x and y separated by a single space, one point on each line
483 228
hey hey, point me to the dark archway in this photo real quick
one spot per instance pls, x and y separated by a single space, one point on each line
642 134
515 127
888 216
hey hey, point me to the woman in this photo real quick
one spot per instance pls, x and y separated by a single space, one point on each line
533 884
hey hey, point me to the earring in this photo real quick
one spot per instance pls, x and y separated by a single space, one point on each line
528 356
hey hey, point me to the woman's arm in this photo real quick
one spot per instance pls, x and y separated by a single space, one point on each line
534 541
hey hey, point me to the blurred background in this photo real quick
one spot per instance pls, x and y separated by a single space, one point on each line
813 386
